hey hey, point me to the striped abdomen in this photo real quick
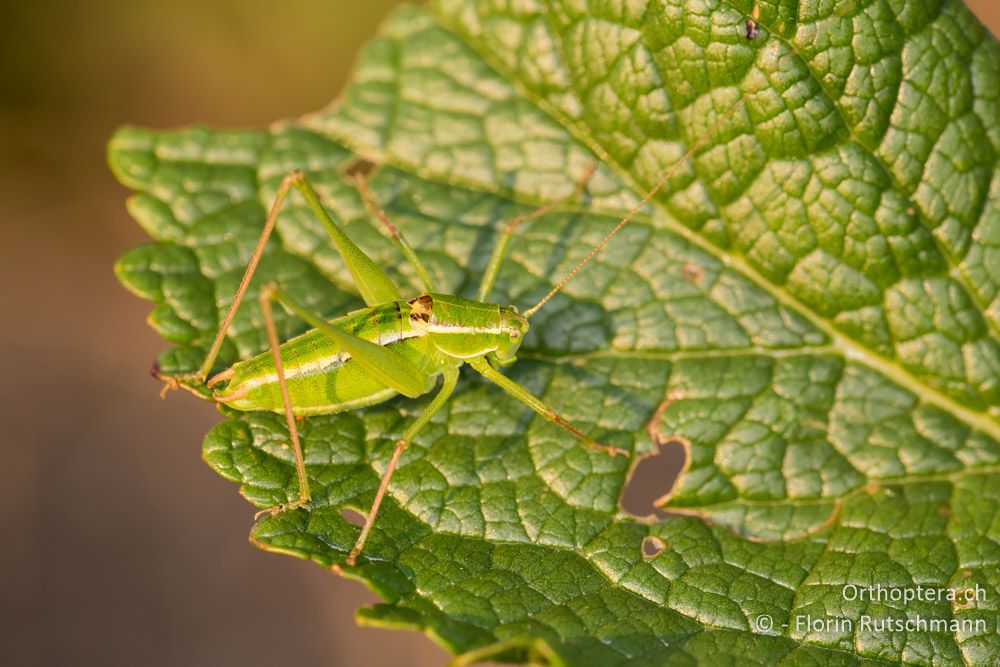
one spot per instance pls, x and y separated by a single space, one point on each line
433 331
322 379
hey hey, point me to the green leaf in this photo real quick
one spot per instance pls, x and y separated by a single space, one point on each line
811 306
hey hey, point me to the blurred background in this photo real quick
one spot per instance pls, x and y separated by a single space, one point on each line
119 545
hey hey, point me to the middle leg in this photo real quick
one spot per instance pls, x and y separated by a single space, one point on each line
520 393
447 387
500 249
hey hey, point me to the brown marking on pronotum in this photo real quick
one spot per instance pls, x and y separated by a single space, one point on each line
421 308
871 488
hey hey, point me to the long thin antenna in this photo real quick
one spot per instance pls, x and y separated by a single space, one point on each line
628 216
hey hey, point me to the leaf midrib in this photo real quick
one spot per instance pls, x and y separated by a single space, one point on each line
842 345
848 347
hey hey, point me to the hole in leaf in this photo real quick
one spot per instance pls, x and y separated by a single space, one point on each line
652 479
652 546
353 517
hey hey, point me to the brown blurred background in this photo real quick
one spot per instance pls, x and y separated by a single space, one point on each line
119 545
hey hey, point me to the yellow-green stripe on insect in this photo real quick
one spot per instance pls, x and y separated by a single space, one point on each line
393 346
